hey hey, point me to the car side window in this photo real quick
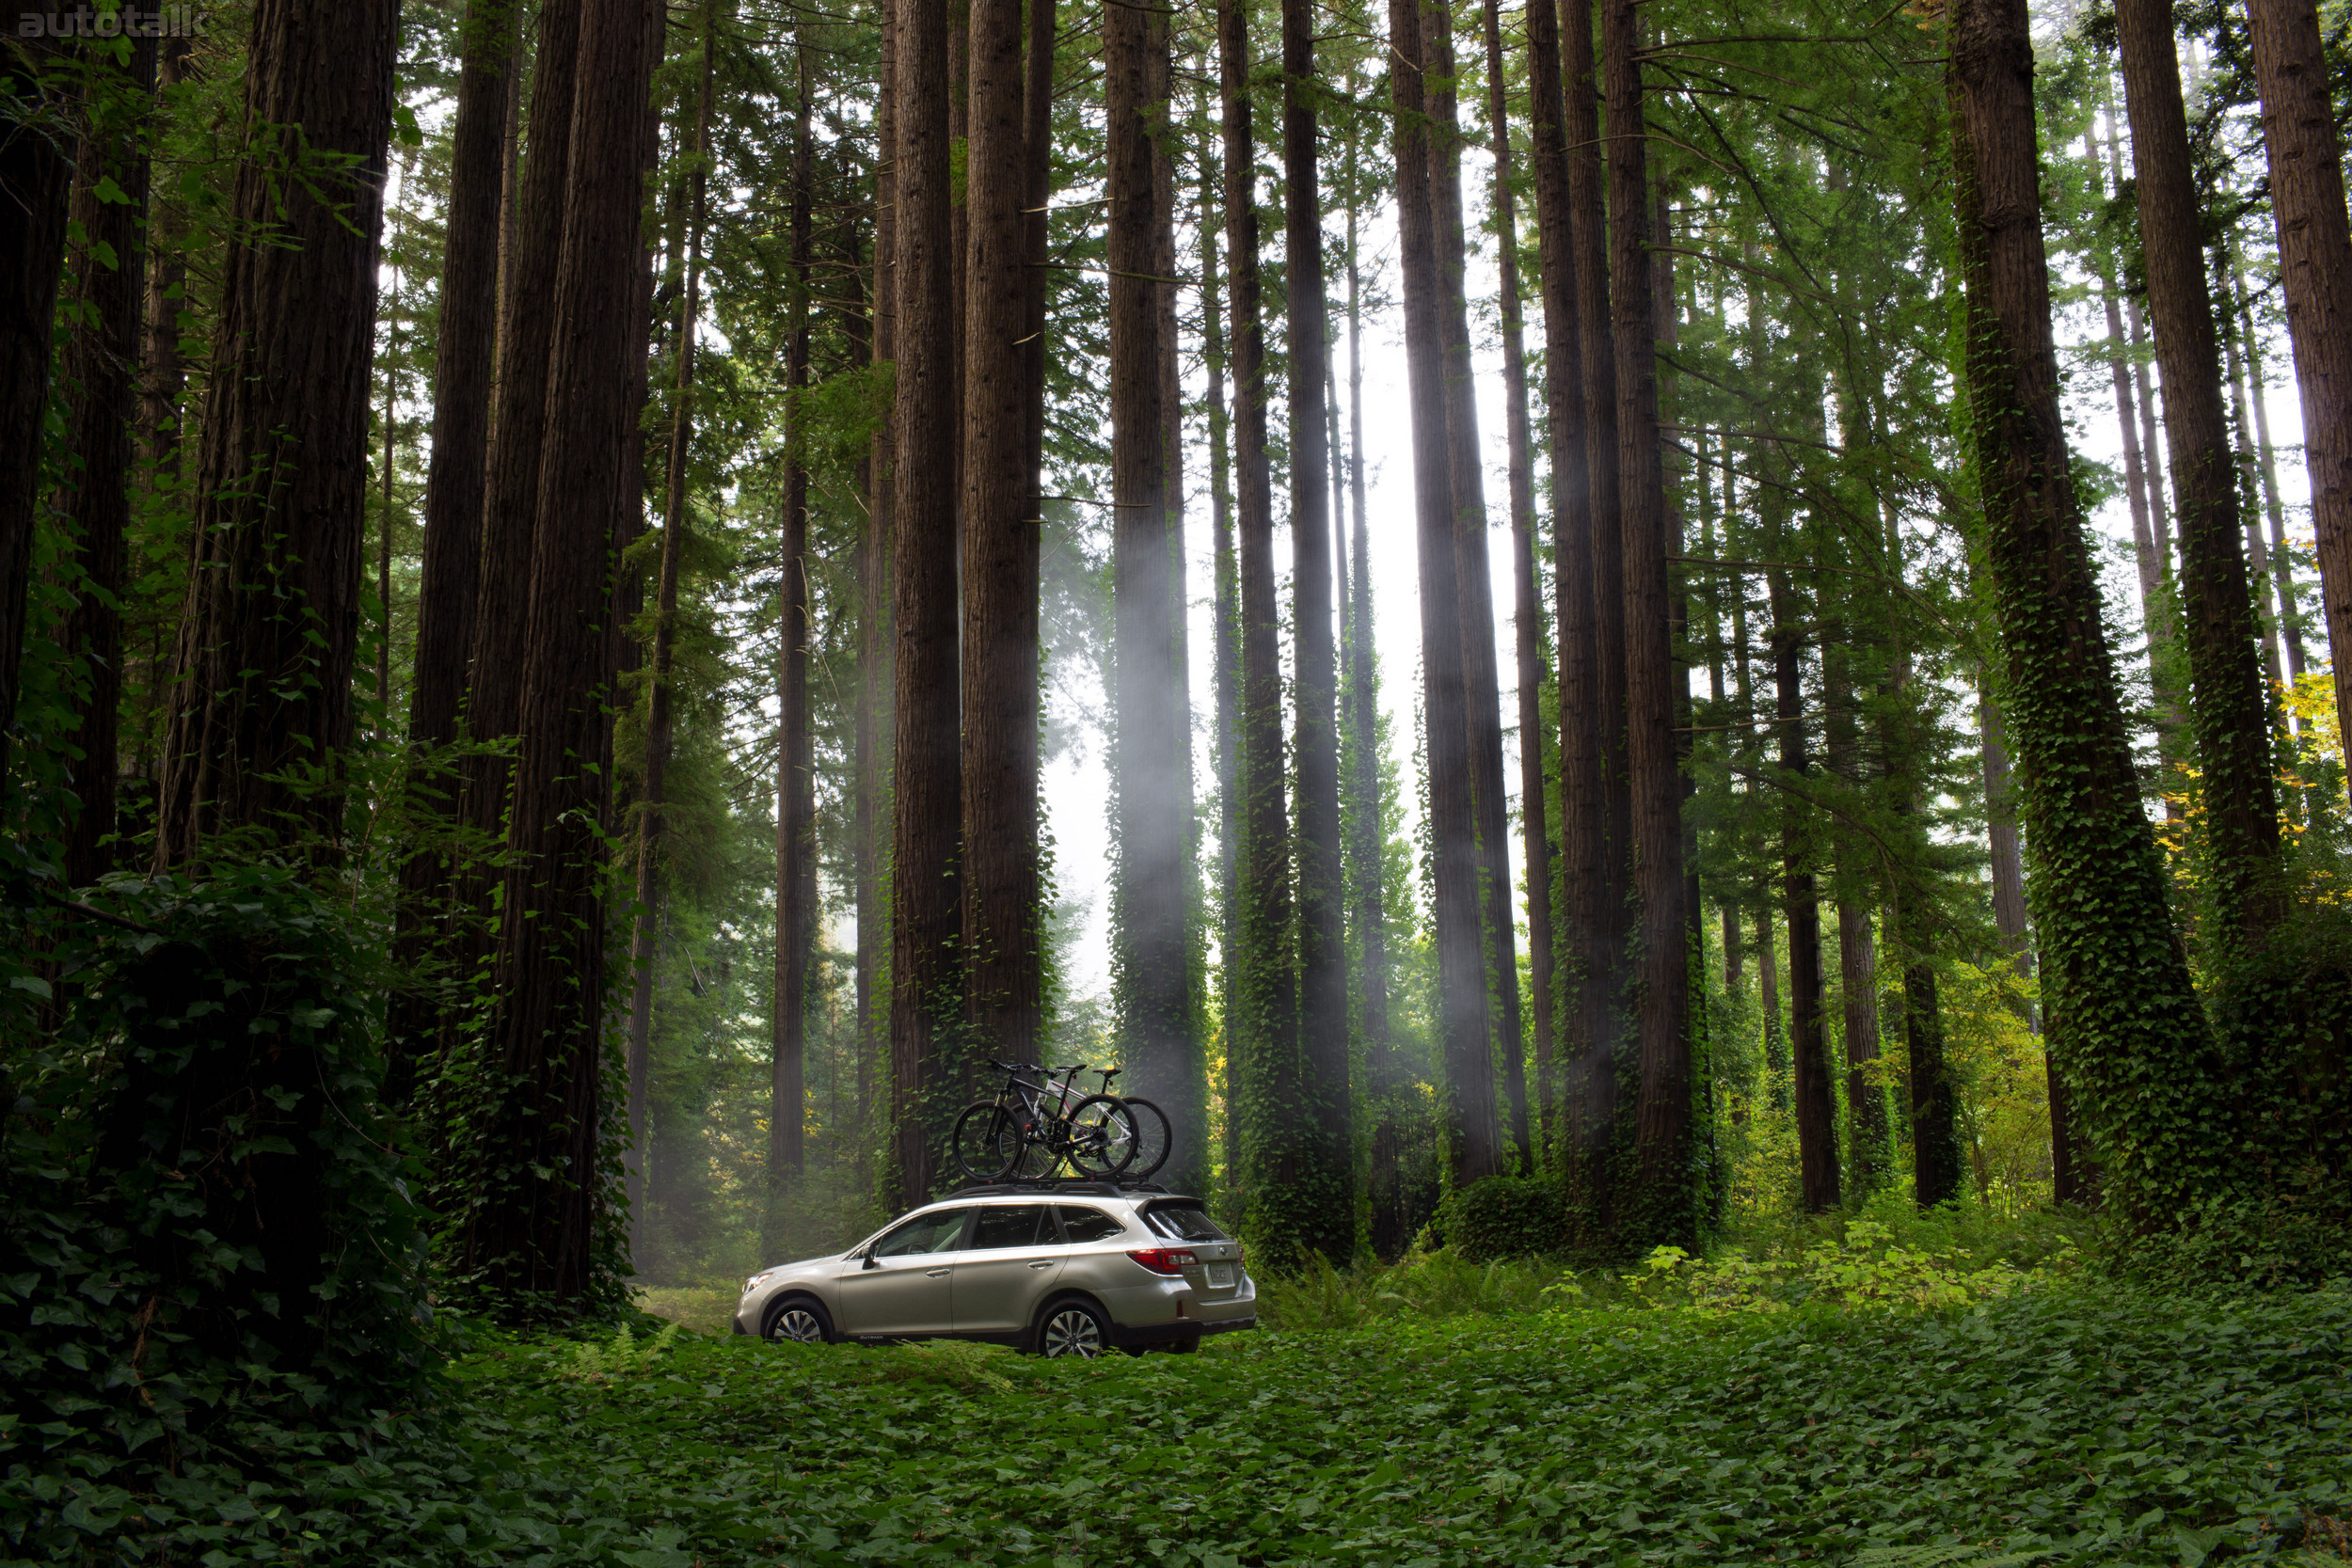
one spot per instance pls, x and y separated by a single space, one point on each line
937 1232
1087 1225
1009 1224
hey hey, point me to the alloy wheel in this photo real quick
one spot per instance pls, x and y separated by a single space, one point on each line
1073 1331
800 1325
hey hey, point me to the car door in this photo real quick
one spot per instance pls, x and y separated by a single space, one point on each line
903 1284
1012 1256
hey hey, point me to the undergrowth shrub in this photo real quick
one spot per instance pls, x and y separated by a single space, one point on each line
210 1261
1506 1216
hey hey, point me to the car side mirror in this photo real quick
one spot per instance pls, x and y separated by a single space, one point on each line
871 1262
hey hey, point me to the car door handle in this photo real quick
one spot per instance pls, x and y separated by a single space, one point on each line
1046 1264
937 1274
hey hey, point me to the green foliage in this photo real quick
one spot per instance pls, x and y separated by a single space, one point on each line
619 1357
1506 1216
210 1263
2099 1427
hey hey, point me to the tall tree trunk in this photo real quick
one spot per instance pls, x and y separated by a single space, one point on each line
1226 661
2229 714
164 372
1857 948
874 586
2122 1018
273 609
1001 933
1367 838
927 1067
464 366
1262 1038
531 1237
36 189
2315 272
796 630
1528 626
1465 1036
1776 1073
100 367
2243 461
1325 1207
2281 564
1664 1148
653 801
2144 552
1816 1098
518 416
1583 982
1482 700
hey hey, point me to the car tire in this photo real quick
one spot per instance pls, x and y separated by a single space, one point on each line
1072 1326
801 1318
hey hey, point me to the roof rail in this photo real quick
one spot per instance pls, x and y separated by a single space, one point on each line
1066 1186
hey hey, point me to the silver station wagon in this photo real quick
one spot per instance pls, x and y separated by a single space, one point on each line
1079 1268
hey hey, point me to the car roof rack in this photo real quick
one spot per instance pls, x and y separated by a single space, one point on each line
1065 1186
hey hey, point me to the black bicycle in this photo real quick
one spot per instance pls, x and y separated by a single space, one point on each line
1153 1135
1034 1127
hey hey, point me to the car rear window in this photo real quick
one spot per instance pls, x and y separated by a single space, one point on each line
1183 1222
1087 1225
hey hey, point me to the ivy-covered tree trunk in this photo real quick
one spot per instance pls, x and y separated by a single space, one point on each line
100 369
796 849
873 730
1263 997
1225 659
36 182
535 1242
1665 1146
2122 1018
1465 1038
1324 1207
1583 981
927 1072
2230 707
264 706
998 538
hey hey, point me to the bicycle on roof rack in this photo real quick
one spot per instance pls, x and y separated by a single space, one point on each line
1038 1122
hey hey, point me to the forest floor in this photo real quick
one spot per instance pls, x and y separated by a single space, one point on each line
2080 1422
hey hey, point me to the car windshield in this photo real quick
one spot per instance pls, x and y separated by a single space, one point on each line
1088 1223
1183 1222
933 1232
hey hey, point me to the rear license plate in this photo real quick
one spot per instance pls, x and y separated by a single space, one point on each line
1220 1276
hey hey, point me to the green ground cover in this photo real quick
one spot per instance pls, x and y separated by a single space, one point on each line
2076 1423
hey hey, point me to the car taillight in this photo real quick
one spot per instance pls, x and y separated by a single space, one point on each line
1161 1260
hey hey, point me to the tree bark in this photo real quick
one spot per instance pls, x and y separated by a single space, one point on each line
2229 714
36 188
1816 1099
1528 633
873 735
2122 1018
1226 659
1664 1149
273 606
1465 1038
531 1238
796 765
164 372
1001 934
2266 469
1857 950
2307 202
927 1069
1584 981
2244 459
1263 1038
464 366
652 803
99 371
1326 1207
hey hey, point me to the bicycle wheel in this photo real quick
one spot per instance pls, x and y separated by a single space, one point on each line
981 1143
1153 1138
1102 1136
1025 1159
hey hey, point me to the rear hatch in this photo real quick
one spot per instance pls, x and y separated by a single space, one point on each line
1183 1222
